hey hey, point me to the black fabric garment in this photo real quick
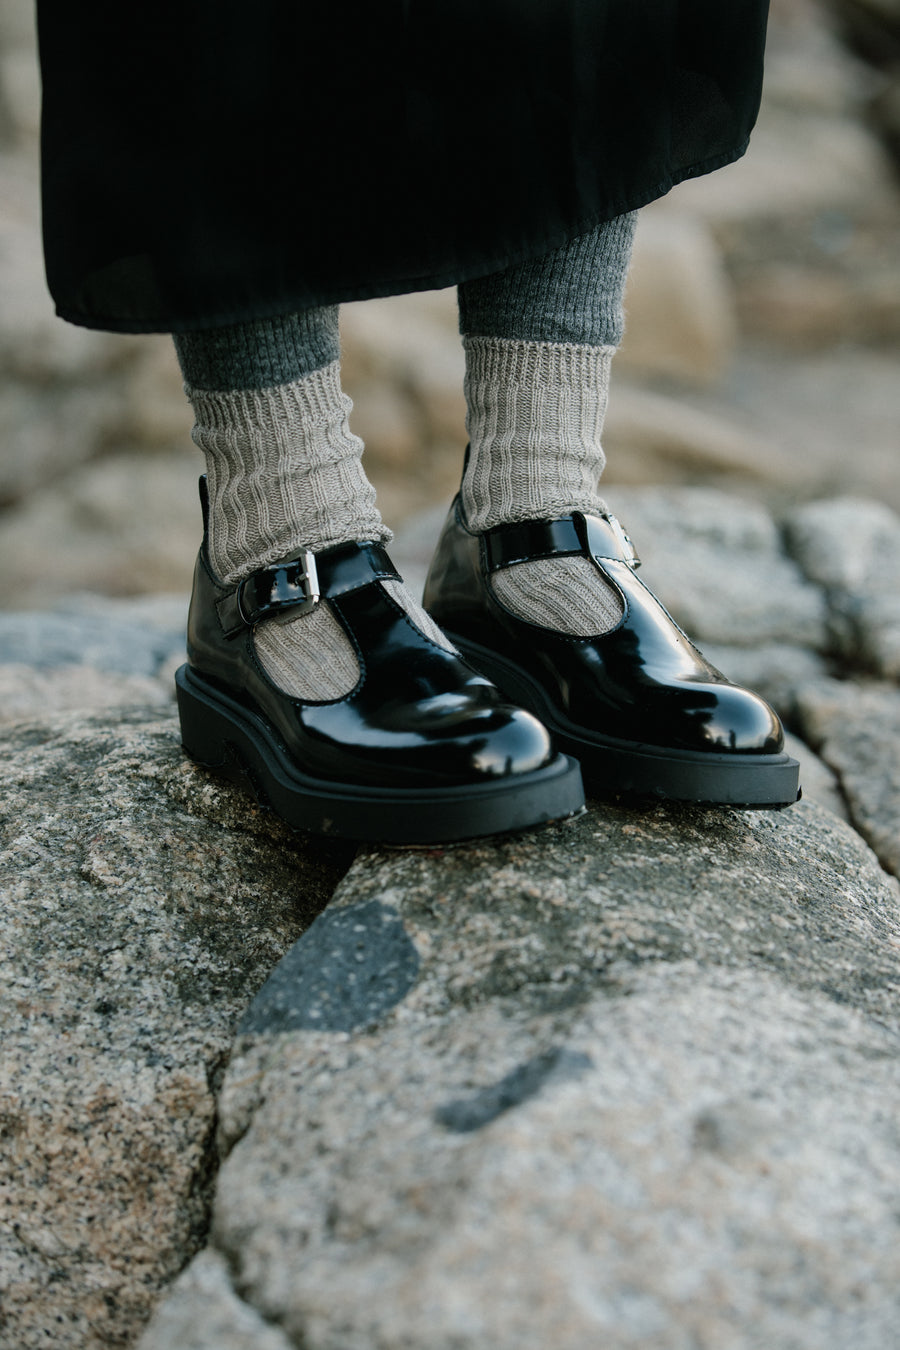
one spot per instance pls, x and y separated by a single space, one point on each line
208 161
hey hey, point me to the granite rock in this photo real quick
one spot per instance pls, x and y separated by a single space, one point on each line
851 547
126 525
27 693
655 438
143 905
855 728
818 782
203 1310
111 642
641 1092
847 544
865 632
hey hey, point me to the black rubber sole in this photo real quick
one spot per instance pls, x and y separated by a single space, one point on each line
220 734
613 768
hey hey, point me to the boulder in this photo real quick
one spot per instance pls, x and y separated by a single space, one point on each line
143 906
848 544
626 1081
653 438
777 670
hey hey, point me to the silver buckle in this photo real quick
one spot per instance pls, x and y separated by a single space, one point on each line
624 542
300 574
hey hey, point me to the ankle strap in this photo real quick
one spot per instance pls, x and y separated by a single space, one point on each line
301 583
525 540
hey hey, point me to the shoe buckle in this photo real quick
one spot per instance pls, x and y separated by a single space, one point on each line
622 539
292 585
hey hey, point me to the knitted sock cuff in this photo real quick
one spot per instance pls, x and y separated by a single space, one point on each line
493 362
535 418
284 472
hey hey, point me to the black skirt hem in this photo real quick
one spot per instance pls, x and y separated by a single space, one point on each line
345 294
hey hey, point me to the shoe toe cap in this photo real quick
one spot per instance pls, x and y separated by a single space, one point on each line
740 721
517 744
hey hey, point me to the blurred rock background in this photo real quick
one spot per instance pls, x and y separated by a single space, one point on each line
764 324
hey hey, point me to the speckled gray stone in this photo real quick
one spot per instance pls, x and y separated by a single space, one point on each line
847 544
643 1093
856 731
818 782
865 632
202 1309
143 904
352 966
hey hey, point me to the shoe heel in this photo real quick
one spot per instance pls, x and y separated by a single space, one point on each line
203 730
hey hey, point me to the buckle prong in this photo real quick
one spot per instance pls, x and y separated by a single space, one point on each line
631 557
309 578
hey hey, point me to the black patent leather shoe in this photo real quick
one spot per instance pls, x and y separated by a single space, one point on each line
641 709
423 750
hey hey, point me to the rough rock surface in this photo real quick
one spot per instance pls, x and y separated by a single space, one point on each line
638 1088
142 908
692 875
855 728
696 1112
852 549
93 653
691 539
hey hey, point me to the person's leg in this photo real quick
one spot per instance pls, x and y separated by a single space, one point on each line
539 340
312 672
536 581
284 473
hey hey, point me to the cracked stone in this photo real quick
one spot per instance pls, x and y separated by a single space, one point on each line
856 731
134 933
646 1055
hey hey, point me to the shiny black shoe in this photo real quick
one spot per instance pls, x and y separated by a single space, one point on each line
423 750
639 707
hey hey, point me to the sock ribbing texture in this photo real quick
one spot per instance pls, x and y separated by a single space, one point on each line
284 473
539 340
309 656
535 418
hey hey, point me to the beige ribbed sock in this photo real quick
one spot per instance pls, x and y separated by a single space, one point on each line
285 473
535 418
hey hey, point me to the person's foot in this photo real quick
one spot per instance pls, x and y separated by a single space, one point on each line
638 705
422 749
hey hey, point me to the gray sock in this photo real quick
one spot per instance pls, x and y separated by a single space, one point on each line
284 473
262 353
539 339
572 295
